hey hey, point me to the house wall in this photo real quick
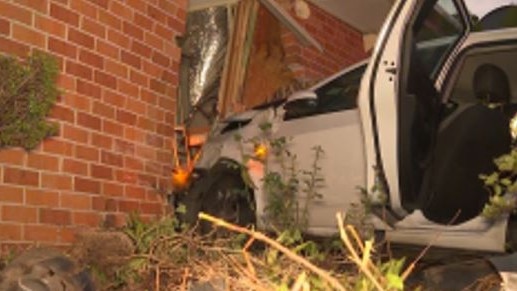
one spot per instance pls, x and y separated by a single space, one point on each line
119 74
342 44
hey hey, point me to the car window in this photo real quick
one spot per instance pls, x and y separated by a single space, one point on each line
463 89
435 33
337 95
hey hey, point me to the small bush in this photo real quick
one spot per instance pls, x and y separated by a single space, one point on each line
27 93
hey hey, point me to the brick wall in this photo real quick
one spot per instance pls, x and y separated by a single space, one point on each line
342 43
119 66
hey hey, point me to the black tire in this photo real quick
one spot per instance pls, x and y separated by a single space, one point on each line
222 193
229 199
43 269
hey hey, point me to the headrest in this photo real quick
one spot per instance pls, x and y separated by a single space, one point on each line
491 84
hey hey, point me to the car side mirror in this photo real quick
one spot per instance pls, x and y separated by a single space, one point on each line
301 104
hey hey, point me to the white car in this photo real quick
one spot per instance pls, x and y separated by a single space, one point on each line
429 115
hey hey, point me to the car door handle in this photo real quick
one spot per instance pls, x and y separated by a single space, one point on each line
392 70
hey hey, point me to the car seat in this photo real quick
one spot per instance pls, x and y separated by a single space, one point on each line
452 191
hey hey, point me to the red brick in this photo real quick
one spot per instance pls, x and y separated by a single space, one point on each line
62 113
131 59
93 27
112 189
115 220
157 86
41 233
42 198
92 59
84 8
116 68
126 117
42 162
134 134
112 128
151 208
128 206
153 41
55 216
103 110
146 124
166 32
75 201
160 59
106 80
86 185
5 26
10 232
139 78
169 77
133 164
101 141
11 194
111 159
75 134
124 147
89 89
135 192
12 156
138 5
148 97
89 121
126 176
114 98
39 5
15 13
78 102
132 30
19 213
107 49
66 82
75 167
21 177
109 19
80 38
118 38
168 6
121 10
55 146
56 181
143 21
101 172
152 69
92 219
128 88
14 48
86 153
101 3
103 204
64 14
141 49
156 14
62 48
78 70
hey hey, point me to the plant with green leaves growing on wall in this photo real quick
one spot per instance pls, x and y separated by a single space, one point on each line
27 93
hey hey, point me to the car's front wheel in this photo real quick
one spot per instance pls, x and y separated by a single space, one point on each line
229 199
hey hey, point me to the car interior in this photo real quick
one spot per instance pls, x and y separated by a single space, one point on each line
474 130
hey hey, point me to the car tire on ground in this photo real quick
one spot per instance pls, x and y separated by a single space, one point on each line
229 199
221 193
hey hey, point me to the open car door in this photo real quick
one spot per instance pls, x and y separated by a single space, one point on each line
402 100
401 110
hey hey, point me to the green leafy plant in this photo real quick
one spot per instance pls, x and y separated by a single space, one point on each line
290 191
503 186
27 93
